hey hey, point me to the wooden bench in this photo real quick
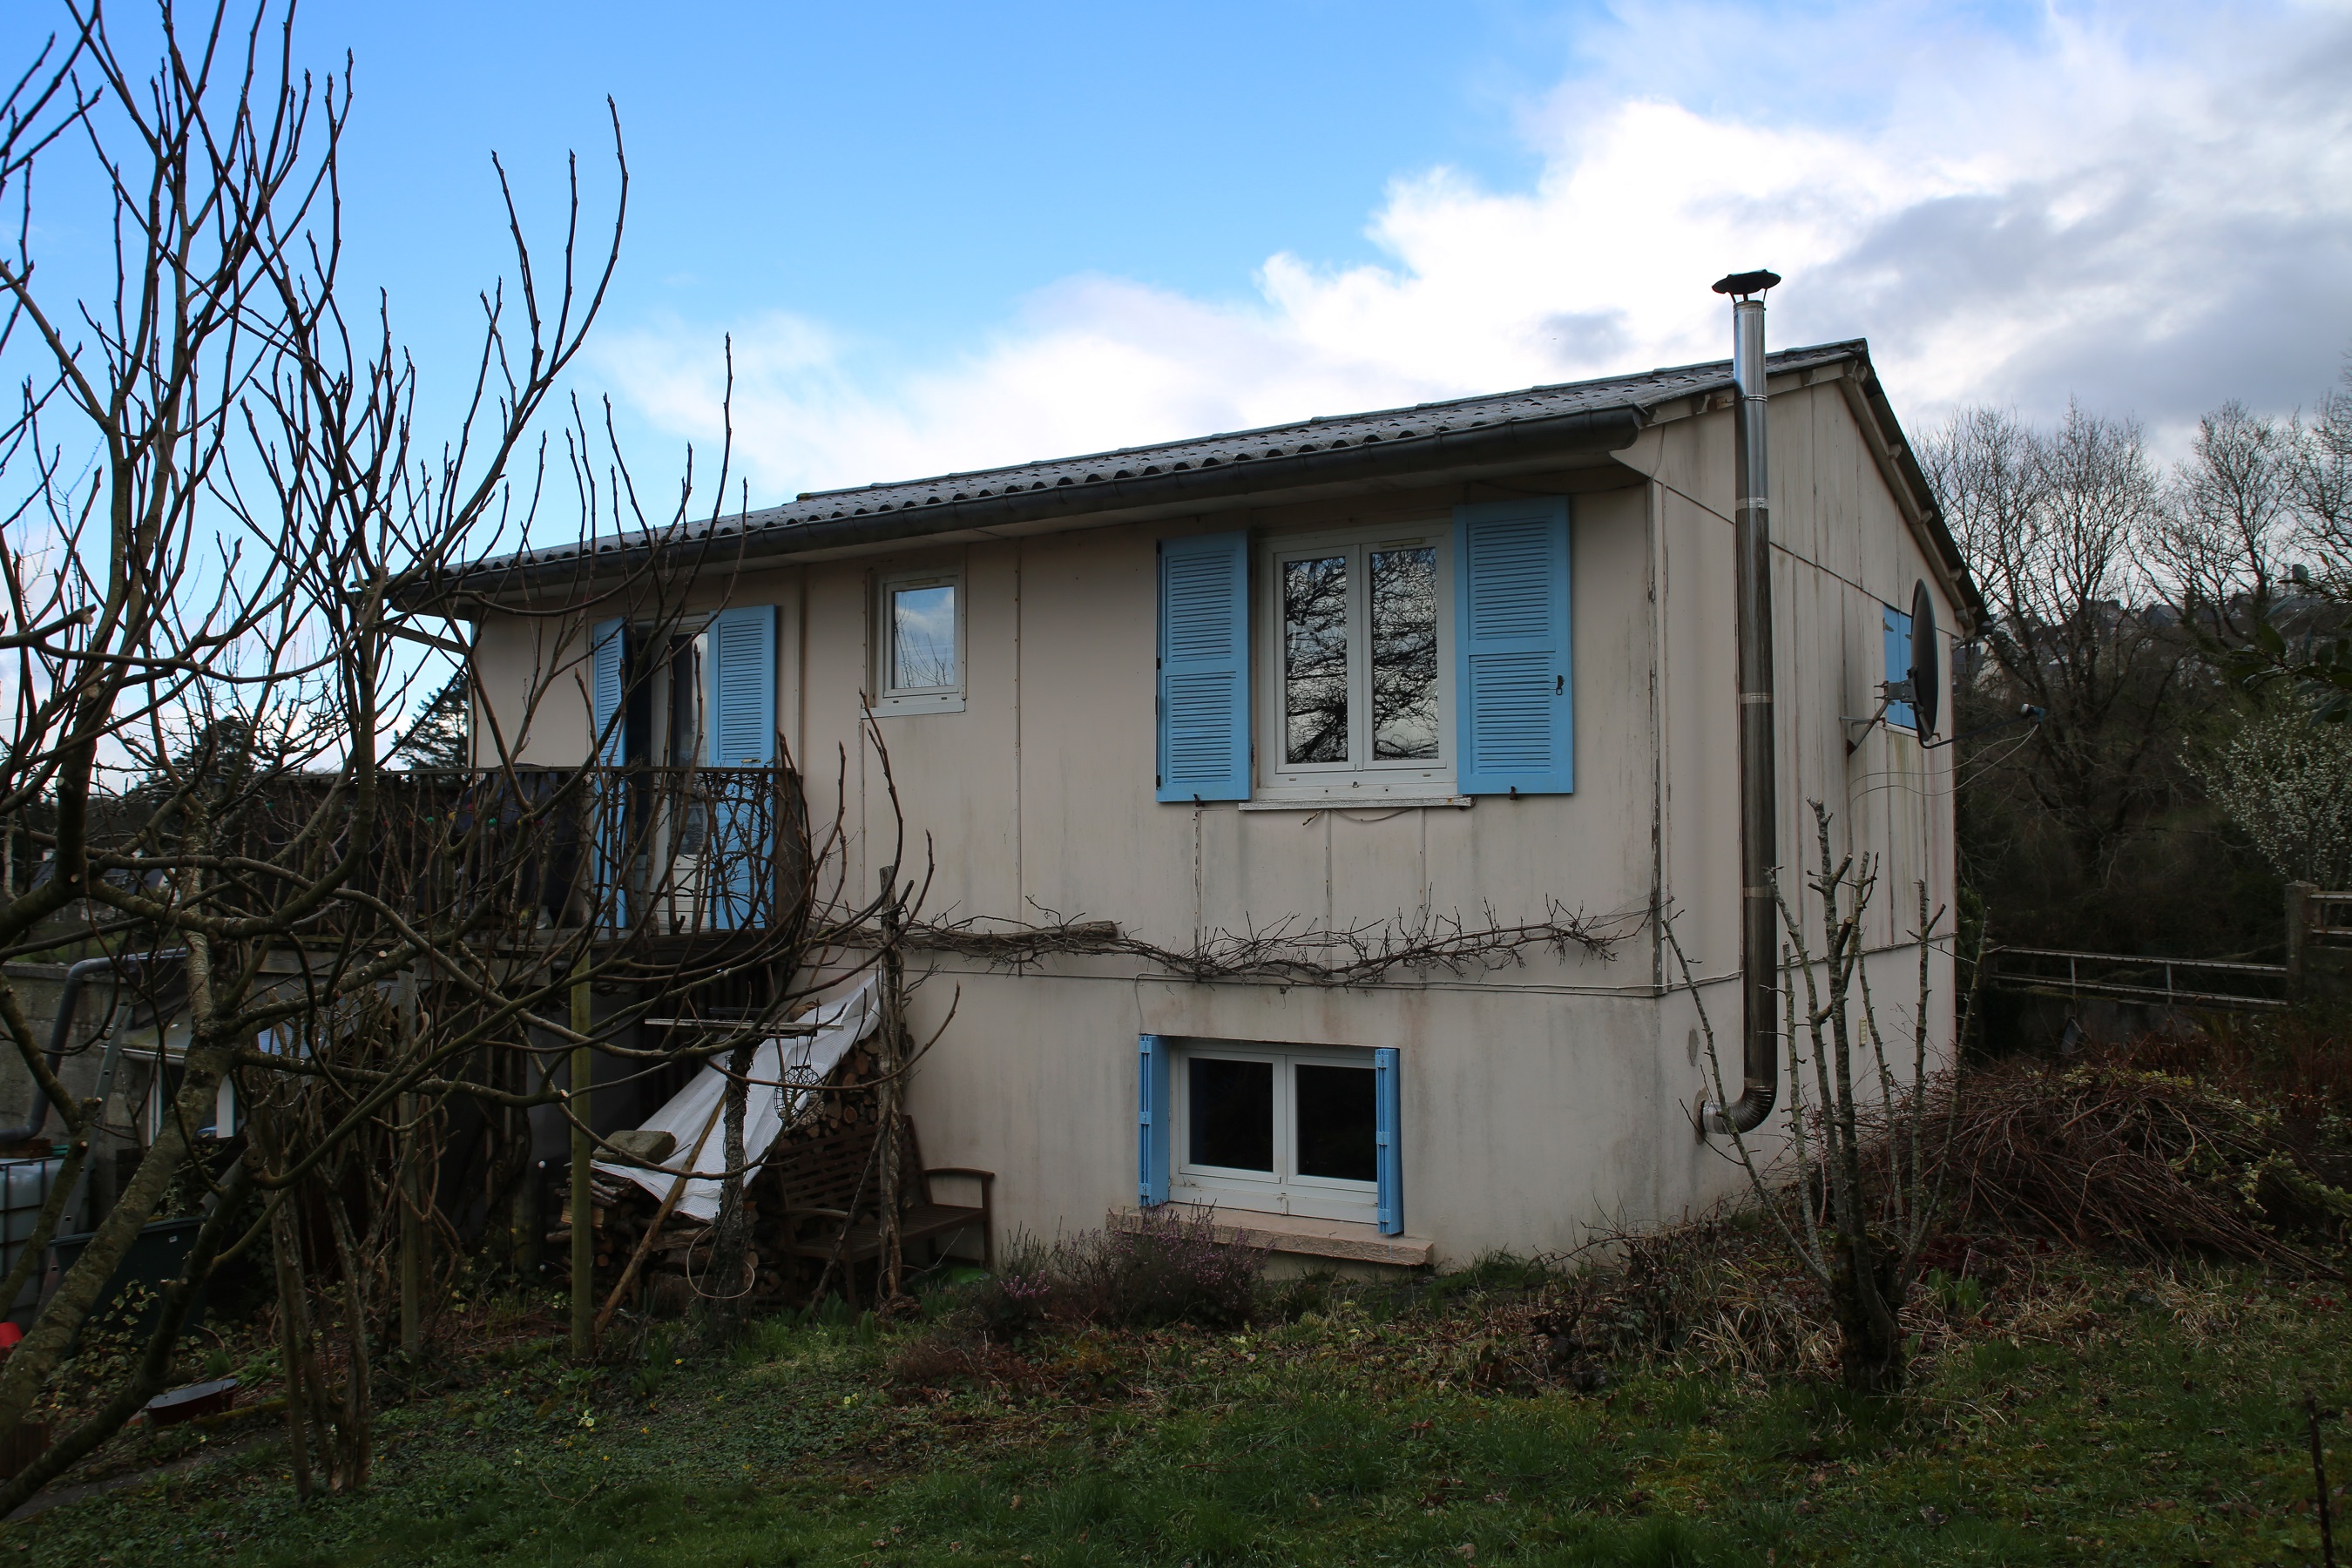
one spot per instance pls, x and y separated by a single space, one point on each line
830 1189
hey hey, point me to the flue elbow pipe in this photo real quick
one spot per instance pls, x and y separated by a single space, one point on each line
1760 995
61 1032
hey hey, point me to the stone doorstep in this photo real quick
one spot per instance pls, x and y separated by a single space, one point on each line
1306 1238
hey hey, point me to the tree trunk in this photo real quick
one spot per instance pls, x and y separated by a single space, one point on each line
355 1416
291 1348
148 1373
1871 1351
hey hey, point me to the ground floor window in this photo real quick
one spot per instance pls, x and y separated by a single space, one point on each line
1275 1130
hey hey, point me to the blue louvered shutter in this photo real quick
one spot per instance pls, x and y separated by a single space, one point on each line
1389 1206
608 671
1153 1118
1204 750
607 644
1898 627
738 852
743 688
1513 684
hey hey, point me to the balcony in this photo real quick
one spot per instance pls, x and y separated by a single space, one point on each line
634 851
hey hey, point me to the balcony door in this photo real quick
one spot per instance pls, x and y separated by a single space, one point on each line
688 728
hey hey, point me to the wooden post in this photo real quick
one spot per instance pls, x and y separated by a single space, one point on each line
412 1240
2298 926
584 1240
411 1197
890 1058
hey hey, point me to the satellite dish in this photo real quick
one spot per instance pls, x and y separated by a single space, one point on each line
1926 676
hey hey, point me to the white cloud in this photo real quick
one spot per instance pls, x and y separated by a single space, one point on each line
2153 214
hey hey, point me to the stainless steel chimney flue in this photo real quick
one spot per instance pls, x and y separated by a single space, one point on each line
1760 1033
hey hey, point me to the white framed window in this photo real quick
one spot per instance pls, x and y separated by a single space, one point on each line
1275 1130
919 643
1356 697
166 1077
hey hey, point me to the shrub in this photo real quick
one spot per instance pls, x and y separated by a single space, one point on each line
1161 1268
2148 1165
2281 780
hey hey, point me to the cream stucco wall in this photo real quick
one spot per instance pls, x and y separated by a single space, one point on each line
1538 1099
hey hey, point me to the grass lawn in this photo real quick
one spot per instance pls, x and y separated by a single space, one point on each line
2130 1418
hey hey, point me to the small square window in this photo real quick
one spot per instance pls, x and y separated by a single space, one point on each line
919 645
1277 1131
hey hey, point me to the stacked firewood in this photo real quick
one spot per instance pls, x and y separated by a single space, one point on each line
678 1266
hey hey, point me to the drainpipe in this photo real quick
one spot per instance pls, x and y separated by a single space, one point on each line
1759 1036
59 1033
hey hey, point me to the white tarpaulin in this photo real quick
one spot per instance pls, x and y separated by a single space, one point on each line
788 1059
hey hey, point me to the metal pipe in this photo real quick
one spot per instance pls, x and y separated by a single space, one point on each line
60 1031
1760 856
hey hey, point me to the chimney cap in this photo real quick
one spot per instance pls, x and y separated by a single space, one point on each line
1743 284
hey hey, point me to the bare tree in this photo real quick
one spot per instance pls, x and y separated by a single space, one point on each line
2055 525
2219 544
1859 1195
2323 488
206 600
397 969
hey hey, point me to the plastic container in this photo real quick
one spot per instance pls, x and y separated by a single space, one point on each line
25 1188
155 1260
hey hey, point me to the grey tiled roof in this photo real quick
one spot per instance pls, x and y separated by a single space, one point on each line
1102 481
1324 432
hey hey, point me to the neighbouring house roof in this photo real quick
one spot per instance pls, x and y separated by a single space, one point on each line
1497 430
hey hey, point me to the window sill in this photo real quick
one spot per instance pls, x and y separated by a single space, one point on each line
927 703
1352 800
1302 1237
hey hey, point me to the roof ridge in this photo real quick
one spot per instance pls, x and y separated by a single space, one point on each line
1553 388
1388 438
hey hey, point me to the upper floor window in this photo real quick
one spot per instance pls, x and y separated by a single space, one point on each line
1357 694
920 646
1896 628
1406 664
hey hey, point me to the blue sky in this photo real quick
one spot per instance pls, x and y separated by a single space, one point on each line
943 236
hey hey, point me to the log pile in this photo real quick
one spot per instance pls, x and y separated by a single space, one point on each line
678 1267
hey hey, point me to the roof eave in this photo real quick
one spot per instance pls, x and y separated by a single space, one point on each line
1583 433
1898 464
